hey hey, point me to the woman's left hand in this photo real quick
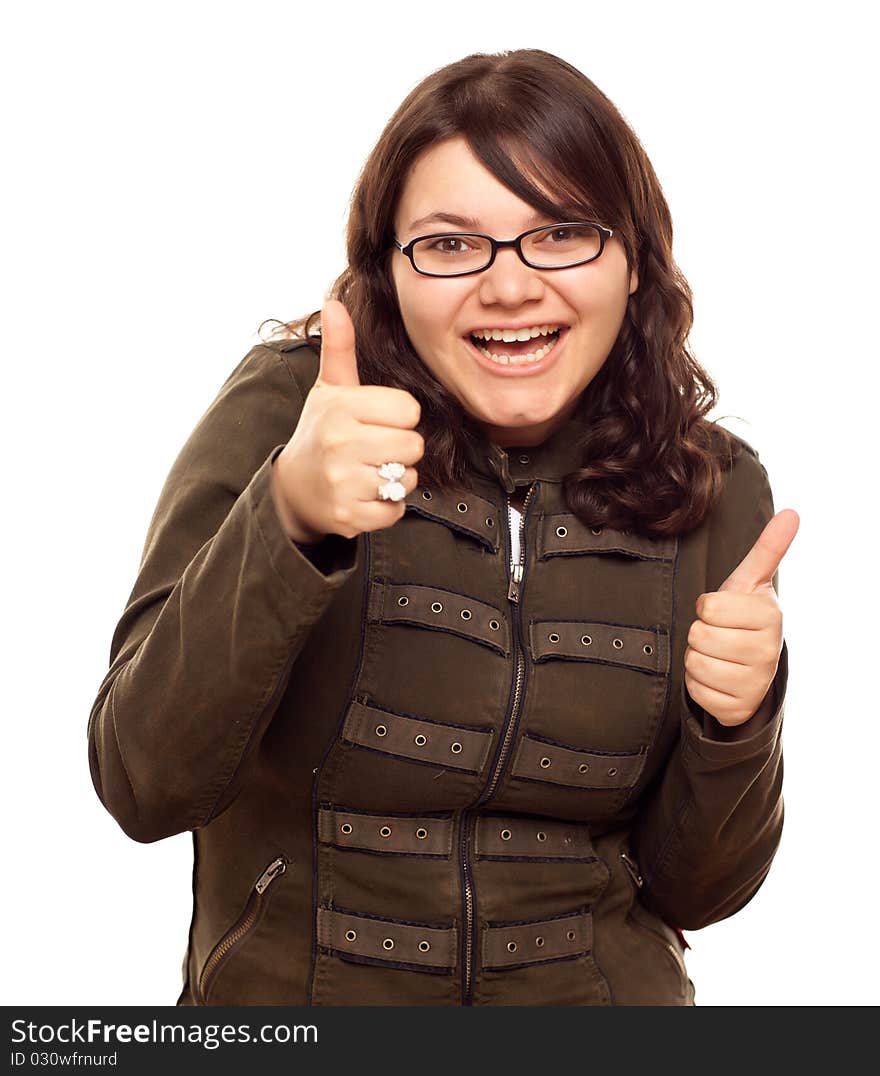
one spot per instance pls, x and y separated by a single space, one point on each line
734 644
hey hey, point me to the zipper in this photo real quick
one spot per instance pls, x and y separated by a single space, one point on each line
245 924
467 888
676 954
513 594
633 869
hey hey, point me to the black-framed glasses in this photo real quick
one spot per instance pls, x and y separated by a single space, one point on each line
550 246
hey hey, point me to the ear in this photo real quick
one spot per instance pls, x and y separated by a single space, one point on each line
633 281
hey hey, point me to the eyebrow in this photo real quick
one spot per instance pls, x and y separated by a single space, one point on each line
465 222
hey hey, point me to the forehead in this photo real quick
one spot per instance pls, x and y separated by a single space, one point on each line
447 178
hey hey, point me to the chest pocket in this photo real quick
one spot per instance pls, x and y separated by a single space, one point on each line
596 612
432 683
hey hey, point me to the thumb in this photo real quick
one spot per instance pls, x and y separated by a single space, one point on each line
758 566
338 360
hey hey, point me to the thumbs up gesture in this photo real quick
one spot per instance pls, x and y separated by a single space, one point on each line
734 644
325 479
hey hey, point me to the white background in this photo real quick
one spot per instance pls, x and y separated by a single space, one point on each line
177 172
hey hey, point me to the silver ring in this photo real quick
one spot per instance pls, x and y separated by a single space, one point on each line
392 490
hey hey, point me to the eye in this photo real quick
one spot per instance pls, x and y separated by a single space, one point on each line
559 235
450 244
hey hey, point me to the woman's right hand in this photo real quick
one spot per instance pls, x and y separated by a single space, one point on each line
325 479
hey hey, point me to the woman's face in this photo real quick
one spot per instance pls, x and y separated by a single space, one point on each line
516 404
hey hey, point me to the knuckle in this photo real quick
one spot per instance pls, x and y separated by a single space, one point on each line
334 473
342 515
331 438
413 407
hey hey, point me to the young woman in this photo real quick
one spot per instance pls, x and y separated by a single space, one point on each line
455 641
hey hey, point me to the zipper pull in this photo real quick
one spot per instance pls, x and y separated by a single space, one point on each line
515 579
630 865
276 867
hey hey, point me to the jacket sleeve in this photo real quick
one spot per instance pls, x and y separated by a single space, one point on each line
706 835
222 604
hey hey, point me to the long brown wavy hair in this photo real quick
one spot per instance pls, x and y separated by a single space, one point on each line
651 461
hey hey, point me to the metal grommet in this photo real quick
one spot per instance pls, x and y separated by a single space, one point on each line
421 833
561 532
539 942
403 601
524 458
571 935
381 730
490 522
587 640
424 946
617 643
426 494
541 835
545 762
346 827
494 625
461 506
350 935
648 649
612 771
553 637
388 943
511 947
596 530
506 835
420 740
455 748
385 831
584 766
466 614
437 607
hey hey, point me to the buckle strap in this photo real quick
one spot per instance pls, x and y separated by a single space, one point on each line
435 742
613 644
387 939
504 837
538 760
441 610
506 945
405 835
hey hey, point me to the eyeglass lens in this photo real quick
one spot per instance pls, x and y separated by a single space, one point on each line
551 248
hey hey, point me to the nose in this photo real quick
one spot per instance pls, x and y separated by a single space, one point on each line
509 281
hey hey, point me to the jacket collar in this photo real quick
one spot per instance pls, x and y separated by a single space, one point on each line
514 466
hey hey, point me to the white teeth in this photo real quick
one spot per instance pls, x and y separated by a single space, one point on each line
518 360
526 333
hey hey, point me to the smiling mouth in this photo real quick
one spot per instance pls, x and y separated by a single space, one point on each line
516 352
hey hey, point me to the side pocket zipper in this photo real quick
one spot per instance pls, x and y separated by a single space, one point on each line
634 873
675 953
243 926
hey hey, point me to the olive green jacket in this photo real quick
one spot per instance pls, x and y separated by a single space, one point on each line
414 776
